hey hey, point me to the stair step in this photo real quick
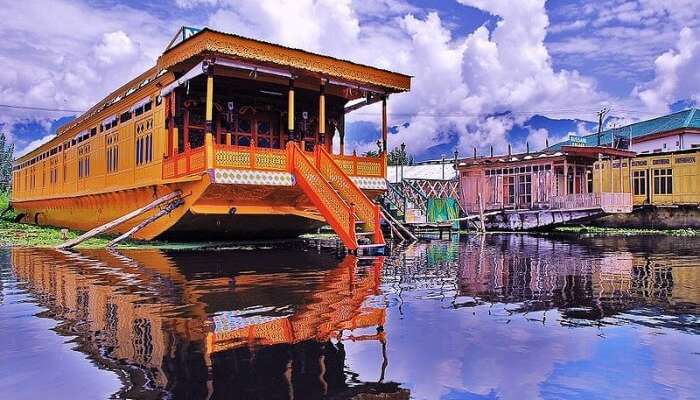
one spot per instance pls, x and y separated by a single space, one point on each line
369 246
364 233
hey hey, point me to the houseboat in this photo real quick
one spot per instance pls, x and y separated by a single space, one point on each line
664 187
239 129
663 175
532 190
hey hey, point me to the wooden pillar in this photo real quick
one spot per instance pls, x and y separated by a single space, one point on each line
322 114
621 186
566 178
612 177
209 115
172 132
600 171
385 126
629 175
290 111
341 132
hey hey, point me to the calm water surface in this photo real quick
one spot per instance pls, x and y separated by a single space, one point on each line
498 317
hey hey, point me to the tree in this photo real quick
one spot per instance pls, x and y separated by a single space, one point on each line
6 158
399 156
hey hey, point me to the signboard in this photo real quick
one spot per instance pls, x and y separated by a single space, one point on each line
577 141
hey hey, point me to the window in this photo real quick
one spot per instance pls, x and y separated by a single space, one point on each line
510 190
108 124
112 153
524 189
663 181
53 171
125 116
144 142
639 183
83 161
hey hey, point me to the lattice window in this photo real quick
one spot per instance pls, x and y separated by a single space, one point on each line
243 132
144 141
267 133
83 161
112 145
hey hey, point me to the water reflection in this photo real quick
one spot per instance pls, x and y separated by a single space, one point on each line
195 328
500 316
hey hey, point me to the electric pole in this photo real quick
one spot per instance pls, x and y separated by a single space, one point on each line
601 116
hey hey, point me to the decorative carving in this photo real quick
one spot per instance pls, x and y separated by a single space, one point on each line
240 47
270 160
369 168
233 159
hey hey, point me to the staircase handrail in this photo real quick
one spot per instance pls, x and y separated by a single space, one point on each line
339 215
367 210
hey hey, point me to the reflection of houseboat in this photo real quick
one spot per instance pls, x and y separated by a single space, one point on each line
243 128
540 273
195 331
531 190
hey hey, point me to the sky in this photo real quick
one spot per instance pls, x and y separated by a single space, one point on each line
486 72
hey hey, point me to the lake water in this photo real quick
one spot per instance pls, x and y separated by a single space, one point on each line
494 317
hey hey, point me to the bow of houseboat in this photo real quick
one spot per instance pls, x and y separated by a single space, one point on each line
241 130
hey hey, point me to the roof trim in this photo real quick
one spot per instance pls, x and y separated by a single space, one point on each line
211 41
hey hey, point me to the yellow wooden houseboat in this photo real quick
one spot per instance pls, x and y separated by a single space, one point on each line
242 129
656 179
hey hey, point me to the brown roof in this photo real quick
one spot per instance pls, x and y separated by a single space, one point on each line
211 41
566 151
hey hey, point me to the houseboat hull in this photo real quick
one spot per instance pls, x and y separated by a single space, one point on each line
210 211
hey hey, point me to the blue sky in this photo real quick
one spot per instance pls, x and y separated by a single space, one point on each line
483 68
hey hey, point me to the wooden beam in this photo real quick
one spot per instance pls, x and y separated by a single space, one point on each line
366 102
385 128
481 214
403 228
167 210
113 224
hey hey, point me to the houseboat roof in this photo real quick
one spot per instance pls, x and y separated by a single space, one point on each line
565 151
196 45
681 120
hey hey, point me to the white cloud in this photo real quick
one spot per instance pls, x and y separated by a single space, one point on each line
677 74
115 47
69 55
33 144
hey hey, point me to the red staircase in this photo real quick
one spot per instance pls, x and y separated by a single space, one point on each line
351 214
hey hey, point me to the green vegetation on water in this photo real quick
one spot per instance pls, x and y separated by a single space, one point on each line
625 231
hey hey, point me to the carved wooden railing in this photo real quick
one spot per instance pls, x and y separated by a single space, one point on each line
250 157
366 210
188 162
361 166
339 215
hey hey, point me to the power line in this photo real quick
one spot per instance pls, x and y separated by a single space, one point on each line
18 107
